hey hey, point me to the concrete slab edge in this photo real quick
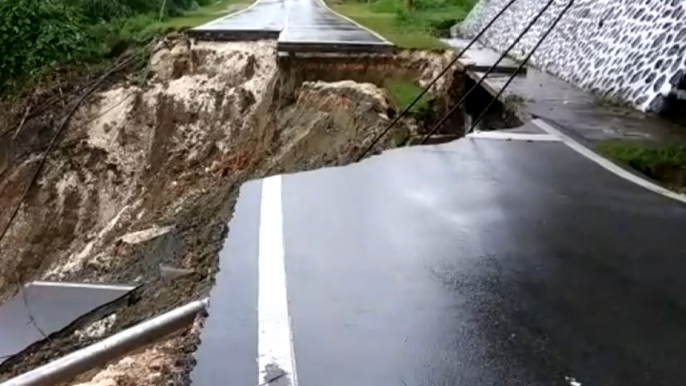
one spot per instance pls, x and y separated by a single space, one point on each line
335 46
465 64
498 70
607 164
340 42
504 136
232 36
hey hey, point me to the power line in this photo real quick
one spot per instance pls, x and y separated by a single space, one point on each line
490 70
433 81
521 66
54 140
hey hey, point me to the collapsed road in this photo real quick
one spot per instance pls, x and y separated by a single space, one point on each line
500 259
142 186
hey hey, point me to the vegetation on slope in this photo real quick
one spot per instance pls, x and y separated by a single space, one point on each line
665 164
403 92
37 36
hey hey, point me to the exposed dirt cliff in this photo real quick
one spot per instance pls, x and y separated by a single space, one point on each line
145 179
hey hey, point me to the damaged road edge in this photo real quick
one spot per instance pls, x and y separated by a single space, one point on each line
172 153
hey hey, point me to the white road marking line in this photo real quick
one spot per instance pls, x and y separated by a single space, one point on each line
342 42
275 338
81 285
514 136
230 15
593 156
383 39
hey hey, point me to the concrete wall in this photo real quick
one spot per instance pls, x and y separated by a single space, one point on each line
631 51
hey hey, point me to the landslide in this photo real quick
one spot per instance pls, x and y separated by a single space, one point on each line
146 177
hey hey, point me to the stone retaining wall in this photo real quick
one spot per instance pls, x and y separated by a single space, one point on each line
629 51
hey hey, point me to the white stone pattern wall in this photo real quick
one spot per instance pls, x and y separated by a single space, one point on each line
631 51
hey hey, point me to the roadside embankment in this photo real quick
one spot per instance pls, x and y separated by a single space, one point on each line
142 186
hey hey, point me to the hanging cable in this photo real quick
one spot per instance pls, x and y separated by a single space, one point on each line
434 80
521 66
490 70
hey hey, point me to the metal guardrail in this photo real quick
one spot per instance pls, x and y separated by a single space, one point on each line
493 67
66 368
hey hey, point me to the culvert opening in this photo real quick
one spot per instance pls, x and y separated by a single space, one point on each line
499 116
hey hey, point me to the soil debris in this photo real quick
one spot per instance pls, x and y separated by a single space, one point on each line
136 159
97 329
154 365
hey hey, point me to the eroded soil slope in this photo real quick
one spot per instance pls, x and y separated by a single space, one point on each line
145 179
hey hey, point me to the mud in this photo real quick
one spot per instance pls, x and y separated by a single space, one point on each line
418 66
146 178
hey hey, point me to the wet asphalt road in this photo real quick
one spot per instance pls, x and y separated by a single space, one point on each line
478 262
263 16
298 24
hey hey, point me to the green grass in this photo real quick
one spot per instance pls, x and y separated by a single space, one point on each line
403 92
143 27
420 27
204 15
665 164
46 40
385 24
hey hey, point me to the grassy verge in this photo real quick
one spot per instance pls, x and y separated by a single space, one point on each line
204 14
419 27
403 92
143 27
665 164
385 24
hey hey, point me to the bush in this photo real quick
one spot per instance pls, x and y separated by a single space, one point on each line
37 34
108 10
432 16
97 10
386 6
